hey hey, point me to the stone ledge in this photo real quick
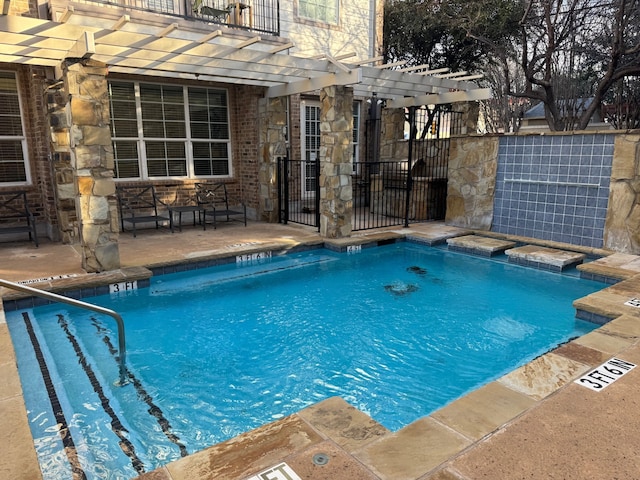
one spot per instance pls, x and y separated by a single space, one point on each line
544 258
476 245
591 251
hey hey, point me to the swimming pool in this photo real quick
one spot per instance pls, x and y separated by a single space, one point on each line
263 339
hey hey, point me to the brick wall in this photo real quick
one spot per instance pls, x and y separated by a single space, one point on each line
32 84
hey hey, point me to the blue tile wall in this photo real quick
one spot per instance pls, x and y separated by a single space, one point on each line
554 187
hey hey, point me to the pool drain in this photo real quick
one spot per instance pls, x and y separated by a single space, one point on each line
321 459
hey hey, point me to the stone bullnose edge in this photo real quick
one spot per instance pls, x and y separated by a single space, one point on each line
81 282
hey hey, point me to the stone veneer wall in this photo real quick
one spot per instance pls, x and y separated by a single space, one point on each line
471 187
272 141
336 130
622 226
92 163
580 188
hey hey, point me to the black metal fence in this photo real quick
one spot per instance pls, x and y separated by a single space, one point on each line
411 190
299 191
261 16
385 193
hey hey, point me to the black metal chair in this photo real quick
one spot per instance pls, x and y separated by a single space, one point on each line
15 216
140 205
217 204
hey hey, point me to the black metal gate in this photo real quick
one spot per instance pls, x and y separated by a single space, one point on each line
385 193
413 189
299 191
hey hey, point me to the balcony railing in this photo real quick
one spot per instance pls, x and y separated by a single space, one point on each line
260 16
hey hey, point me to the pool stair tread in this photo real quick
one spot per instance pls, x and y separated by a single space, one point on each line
544 257
436 235
478 245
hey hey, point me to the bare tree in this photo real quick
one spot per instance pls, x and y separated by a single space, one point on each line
574 49
570 52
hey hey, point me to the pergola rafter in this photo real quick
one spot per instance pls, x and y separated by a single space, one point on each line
174 51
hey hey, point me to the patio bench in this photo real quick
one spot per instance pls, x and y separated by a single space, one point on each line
140 205
15 215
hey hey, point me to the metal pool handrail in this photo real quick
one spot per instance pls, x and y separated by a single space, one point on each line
87 306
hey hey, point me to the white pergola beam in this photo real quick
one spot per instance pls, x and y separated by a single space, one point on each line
452 75
412 69
66 14
315 83
441 98
366 61
248 42
390 65
210 36
84 47
339 65
122 21
282 48
433 72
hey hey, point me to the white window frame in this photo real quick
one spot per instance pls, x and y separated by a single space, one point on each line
357 114
22 138
141 140
332 21
303 146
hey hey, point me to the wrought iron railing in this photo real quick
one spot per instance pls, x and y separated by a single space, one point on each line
54 297
260 16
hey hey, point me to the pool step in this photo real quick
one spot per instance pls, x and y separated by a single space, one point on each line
482 246
544 258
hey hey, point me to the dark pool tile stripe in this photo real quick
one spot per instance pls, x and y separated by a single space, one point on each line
63 429
153 410
116 425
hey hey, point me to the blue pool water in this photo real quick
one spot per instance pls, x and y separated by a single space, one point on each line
397 331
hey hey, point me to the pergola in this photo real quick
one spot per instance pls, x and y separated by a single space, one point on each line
179 50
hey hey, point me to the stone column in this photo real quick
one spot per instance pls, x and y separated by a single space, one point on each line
336 161
272 144
392 144
92 163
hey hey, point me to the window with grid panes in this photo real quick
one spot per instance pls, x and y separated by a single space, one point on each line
321 10
169 131
13 145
